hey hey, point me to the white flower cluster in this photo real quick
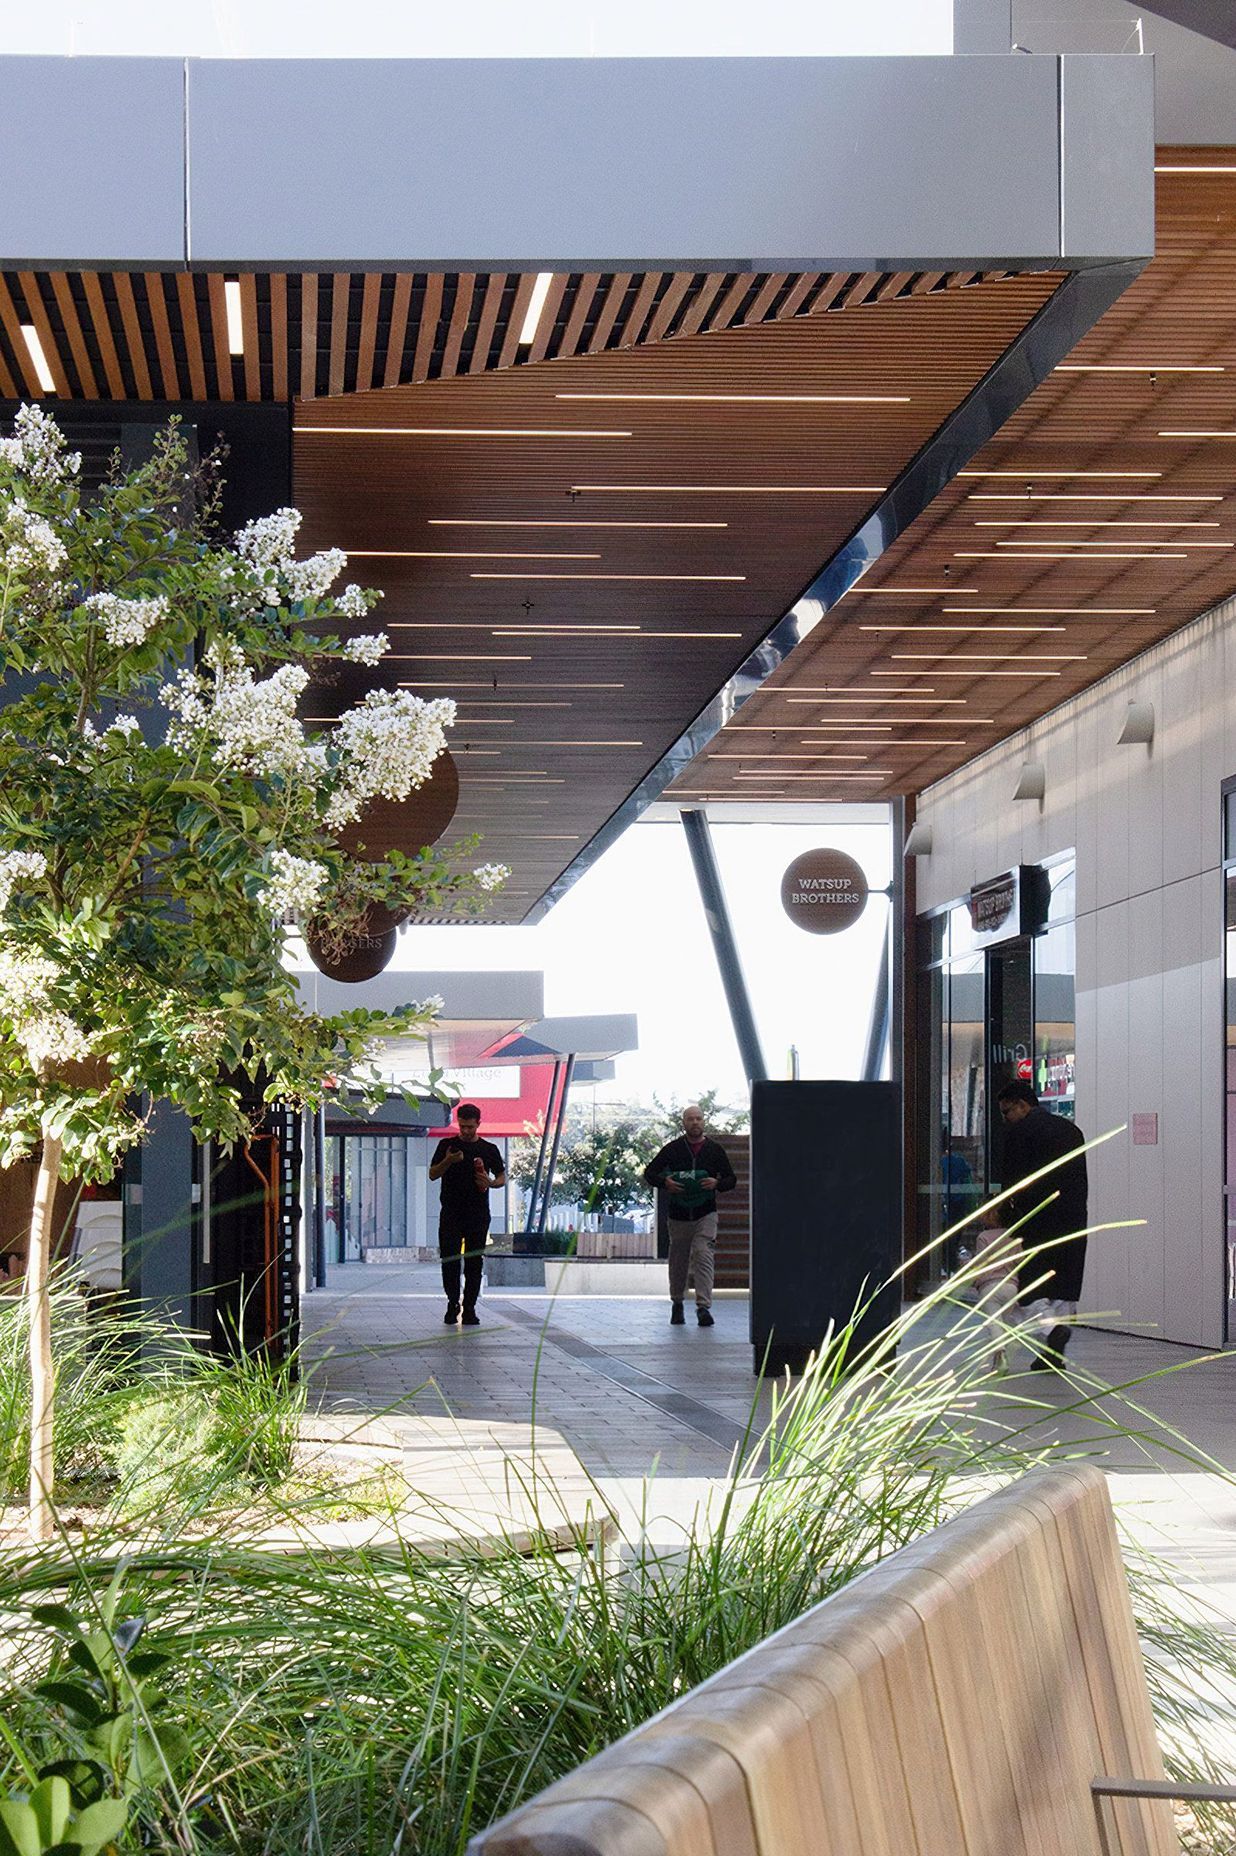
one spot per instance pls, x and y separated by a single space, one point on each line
492 876
293 887
253 723
314 578
352 603
17 867
370 648
269 541
126 621
267 546
31 547
387 746
37 448
47 1034
125 726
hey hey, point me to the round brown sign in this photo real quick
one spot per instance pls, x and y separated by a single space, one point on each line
824 891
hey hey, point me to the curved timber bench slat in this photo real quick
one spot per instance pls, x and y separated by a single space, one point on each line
957 1700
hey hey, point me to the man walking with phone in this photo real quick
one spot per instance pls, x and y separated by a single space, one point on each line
692 1169
470 1169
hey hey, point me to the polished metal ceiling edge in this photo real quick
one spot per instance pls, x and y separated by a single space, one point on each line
1055 330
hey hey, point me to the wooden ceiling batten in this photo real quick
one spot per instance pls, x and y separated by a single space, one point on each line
1086 435
75 334
427 328
308 335
191 335
646 682
609 312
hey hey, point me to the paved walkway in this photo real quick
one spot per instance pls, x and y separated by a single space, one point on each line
633 1396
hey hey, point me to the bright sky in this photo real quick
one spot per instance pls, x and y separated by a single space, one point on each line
485 28
630 936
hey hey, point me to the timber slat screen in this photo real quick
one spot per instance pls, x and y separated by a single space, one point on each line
163 334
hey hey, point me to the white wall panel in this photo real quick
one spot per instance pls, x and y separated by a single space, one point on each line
1145 825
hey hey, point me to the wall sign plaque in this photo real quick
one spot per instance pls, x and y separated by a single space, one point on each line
1008 906
824 891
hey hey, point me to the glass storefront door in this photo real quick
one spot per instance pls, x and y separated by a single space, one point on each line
988 1017
367 1194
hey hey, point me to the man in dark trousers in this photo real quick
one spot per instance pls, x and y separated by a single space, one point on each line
692 1169
1034 1138
469 1169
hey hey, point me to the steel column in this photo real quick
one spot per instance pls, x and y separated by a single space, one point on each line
530 1216
548 1193
712 895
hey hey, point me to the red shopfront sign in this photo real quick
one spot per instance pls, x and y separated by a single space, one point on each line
512 1115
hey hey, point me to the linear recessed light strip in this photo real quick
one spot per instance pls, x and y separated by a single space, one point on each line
1136 367
233 316
750 399
487 625
463 554
780 757
710 578
969 554
1099 612
965 657
732 489
1032 475
1093 496
1173 168
881 592
1056 541
976 672
872 773
38 359
1173 522
924 699
966 630
552 522
603 631
535 309
1199 434
453 431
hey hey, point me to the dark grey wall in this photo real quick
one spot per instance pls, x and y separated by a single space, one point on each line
725 163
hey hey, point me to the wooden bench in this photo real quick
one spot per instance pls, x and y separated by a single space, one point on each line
979 1693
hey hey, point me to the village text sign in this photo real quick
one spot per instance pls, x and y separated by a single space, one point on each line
824 891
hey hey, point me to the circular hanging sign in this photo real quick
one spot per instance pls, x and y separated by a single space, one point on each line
824 891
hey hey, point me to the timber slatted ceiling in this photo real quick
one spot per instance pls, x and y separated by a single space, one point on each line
582 574
1106 563
162 335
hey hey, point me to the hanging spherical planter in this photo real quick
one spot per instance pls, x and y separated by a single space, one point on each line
351 957
408 825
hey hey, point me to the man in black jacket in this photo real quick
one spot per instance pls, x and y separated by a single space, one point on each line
692 1169
1033 1139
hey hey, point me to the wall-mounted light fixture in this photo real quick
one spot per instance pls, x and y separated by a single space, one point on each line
1138 727
918 843
1031 781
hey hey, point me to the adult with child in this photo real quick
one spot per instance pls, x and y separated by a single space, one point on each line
1051 1211
692 1169
470 1169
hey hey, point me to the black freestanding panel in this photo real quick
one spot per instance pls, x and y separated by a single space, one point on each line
825 1214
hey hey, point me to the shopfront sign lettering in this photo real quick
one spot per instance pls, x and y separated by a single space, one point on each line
824 891
1009 905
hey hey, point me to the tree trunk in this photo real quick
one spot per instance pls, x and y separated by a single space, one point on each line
42 1382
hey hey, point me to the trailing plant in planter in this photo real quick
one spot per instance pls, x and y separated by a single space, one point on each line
165 815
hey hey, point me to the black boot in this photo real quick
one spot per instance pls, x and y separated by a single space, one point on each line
452 1314
677 1318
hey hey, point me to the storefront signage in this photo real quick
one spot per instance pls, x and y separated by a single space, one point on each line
824 891
1007 906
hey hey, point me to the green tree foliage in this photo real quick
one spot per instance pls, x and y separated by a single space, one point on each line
165 815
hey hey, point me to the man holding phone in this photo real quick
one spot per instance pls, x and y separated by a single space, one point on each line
469 1169
691 1171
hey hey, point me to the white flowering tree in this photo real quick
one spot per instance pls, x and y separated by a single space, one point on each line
165 816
